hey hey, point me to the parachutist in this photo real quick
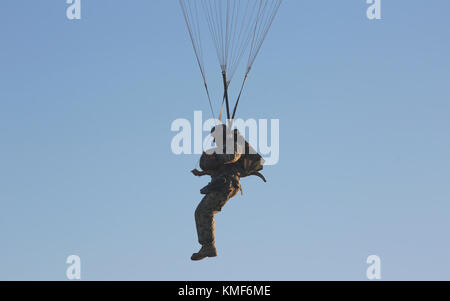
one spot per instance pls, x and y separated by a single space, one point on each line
235 27
226 169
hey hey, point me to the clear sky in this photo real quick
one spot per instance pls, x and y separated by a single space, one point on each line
86 166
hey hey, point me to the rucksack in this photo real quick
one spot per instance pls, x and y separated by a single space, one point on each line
250 163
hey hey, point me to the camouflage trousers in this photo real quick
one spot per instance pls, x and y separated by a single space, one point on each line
211 204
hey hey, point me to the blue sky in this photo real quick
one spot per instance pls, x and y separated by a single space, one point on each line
86 167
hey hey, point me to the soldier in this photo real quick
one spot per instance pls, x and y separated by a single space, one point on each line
220 165
226 165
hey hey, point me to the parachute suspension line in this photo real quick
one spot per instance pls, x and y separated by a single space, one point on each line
221 108
243 35
239 96
227 39
225 87
194 34
235 27
267 12
230 23
266 16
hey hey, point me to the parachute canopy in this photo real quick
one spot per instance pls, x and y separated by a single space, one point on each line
238 29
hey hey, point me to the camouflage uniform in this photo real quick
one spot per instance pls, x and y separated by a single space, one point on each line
211 204
224 185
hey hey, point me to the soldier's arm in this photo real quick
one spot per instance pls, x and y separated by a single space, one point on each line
199 173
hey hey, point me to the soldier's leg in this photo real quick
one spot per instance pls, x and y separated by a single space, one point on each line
204 220
211 204
204 216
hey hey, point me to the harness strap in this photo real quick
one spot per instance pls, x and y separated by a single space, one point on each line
259 175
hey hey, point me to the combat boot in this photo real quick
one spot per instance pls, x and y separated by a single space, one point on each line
208 250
